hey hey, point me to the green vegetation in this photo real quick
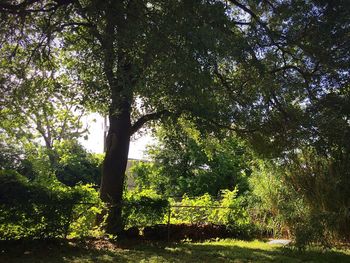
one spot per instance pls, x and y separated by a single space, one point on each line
229 210
144 208
46 208
186 161
274 73
213 251
249 101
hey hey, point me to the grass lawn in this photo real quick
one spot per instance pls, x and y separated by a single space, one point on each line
214 251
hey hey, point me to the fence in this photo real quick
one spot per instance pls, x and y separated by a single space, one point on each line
61 220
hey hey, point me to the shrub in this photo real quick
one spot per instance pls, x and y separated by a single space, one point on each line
235 213
83 221
144 208
311 229
43 209
323 182
192 210
229 210
75 165
271 202
307 195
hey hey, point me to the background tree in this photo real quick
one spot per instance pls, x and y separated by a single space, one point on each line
42 119
185 161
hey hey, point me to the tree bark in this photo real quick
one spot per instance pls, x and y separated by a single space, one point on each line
114 166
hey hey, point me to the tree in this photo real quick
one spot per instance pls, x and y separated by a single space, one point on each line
186 161
162 52
36 103
42 121
296 91
47 118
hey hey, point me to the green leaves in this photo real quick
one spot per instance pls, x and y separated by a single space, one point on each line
193 162
45 209
144 208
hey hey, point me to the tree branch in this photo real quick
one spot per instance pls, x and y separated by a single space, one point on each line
286 67
228 127
15 8
148 117
21 7
249 11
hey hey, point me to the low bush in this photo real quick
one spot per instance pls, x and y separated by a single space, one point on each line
229 210
144 208
39 210
193 210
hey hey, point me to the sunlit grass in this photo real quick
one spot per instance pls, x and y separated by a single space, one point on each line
210 251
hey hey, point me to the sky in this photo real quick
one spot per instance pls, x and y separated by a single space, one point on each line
94 143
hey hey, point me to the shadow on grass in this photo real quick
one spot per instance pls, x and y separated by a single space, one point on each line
236 253
104 252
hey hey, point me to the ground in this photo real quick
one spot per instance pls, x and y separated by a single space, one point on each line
102 251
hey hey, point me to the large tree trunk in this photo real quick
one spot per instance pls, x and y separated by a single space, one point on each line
114 165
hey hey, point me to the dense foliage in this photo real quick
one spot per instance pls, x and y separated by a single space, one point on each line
228 210
45 208
185 161
75 165
72 163
306 199
144 208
